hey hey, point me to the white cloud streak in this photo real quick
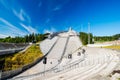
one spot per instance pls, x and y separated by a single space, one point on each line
19 15
12 29
29 28
58 7
47 31
3 36
22 15
50 31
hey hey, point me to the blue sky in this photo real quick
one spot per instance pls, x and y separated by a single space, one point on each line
21 17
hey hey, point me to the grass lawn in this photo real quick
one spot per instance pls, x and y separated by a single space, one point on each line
20 59
116 47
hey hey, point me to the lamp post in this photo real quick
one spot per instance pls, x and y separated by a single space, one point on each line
88 33
81 27
59 65
35 37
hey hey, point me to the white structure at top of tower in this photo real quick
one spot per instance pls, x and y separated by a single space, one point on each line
69 33
72 32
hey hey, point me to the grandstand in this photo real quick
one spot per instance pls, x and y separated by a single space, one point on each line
68 60
8 48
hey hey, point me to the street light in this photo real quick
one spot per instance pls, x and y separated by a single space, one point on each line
59 65
44 62
81 27
88 33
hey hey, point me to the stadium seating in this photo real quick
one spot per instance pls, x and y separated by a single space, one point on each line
8 48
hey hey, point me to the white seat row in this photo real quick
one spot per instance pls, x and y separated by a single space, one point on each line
94 63
73 72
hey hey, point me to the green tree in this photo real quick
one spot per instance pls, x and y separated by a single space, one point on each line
84 38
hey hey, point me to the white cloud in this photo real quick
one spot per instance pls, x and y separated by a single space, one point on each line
50 31
19 15
22 15
59 6
29 28
3 36
12 28
47 31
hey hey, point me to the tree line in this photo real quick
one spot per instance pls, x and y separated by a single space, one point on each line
84 38
39 37
25 39
107 38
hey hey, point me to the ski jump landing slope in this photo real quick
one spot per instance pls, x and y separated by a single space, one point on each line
82 66
56 48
